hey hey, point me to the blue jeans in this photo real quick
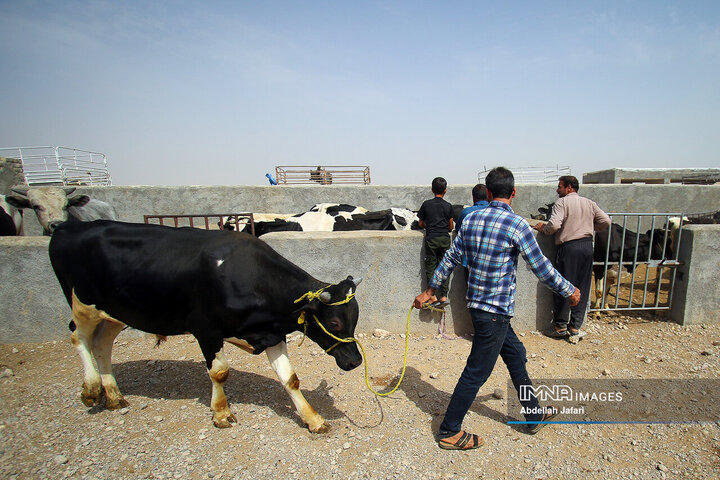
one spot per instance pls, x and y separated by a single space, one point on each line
493 336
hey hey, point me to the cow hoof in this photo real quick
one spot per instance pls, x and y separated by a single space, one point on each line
90 395
115 405
225 421
323 428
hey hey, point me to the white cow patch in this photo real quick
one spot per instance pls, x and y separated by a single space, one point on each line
408 215
314 222
220 262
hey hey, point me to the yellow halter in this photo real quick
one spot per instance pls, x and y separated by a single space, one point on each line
310 296
301 321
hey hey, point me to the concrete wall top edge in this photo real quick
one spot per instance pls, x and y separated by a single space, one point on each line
360 234
31 241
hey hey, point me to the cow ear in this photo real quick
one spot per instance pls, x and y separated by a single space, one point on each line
17 202
311 308
78 201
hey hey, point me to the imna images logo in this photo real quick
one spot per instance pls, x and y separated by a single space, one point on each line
546 393
560 393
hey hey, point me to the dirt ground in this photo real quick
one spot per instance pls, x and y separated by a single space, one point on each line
167 432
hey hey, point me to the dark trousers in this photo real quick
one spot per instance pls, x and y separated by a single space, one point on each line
493 336
434 250
574 262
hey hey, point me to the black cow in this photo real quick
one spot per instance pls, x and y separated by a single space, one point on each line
379 220
635 247
261 228
219 286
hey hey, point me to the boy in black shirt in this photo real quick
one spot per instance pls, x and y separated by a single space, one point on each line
435 217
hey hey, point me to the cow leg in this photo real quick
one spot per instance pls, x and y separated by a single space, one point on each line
613 280
86 319
102 351
218 370
281 364
597 286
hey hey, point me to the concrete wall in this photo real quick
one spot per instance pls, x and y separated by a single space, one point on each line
133 202
696 298
32 307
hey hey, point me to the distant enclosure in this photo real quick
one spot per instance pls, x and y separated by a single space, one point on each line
324 175
533 174
45 166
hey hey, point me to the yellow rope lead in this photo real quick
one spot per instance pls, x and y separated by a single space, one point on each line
362 349
310 296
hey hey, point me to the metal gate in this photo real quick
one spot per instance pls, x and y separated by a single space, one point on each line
210 221
642 248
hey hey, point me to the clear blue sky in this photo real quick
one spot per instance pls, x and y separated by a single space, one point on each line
219 92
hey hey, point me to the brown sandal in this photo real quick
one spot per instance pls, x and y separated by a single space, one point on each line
466 441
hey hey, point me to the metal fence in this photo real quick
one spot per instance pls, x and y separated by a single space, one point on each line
532 174
60 166
651 271
210 221
324 175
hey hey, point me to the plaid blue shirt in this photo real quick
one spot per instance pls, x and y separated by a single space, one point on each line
491 240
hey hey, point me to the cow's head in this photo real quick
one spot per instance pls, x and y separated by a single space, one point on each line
339 316
49 203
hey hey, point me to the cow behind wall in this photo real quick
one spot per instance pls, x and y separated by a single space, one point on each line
55 205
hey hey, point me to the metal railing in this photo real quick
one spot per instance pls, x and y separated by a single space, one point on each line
533 174
324 175
60 166
210 221
645 291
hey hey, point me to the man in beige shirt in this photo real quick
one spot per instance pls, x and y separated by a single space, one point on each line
573 220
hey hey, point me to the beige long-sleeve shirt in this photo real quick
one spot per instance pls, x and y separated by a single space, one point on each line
574 217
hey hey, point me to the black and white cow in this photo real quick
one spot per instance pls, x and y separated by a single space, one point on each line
219 286
653 245
55 205
334 217
11 219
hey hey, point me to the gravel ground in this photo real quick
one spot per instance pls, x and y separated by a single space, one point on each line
167 431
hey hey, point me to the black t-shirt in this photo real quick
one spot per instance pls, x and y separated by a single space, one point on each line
436 213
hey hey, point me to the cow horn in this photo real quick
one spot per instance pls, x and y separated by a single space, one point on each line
325 297
357 281
21 190
69 190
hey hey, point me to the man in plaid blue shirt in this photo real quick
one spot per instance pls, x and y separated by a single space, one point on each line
491 240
